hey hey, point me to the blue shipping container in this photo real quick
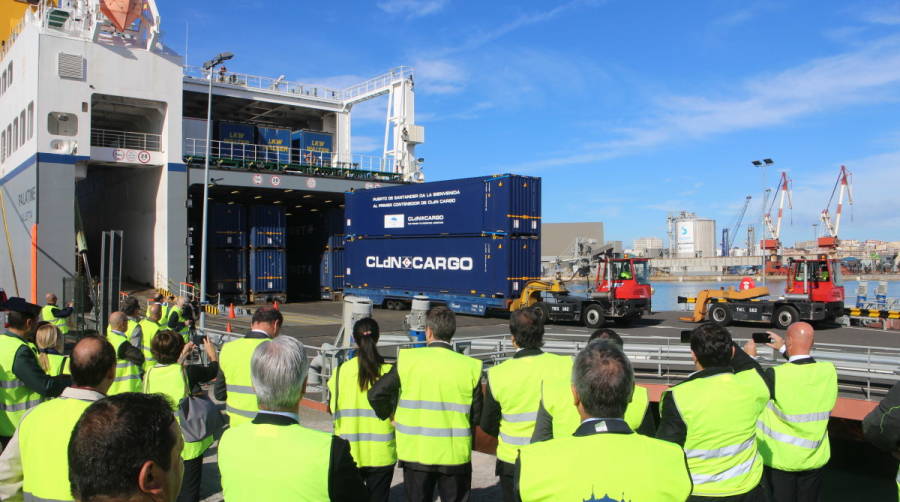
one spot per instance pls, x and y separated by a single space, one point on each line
276 144
478 266
331 270
267 271
508 204
227 272
312 148
227 225
268 226
234 136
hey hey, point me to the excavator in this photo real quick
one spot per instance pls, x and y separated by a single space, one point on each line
620 293
814 292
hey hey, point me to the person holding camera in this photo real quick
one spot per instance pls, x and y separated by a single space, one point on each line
793 429
713 416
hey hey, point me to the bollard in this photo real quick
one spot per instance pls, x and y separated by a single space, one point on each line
416 319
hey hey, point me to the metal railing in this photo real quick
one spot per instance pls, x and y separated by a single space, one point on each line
863 371
255 156
369 88
125 139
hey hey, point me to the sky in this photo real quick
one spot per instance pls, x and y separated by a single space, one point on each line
627 110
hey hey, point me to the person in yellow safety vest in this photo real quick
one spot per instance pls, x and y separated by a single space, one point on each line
176 319
126 448
55 315
156 299
434 394
274 457
234 385
513 393
129 359
23 384
171 377
881 427
371 439
713 416
50 348
132 310
793 429
149 327
36 461
604 459
558 416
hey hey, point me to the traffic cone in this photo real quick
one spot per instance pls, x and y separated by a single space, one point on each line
276 305
228 327
231 311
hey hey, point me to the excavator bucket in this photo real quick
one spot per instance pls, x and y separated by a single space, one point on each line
703 299
121 13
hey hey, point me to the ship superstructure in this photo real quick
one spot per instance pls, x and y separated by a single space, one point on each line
100 119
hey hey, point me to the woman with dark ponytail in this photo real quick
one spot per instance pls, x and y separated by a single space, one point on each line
371 440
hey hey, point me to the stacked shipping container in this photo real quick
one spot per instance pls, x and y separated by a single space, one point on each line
451 240
268 230
331 266
227 271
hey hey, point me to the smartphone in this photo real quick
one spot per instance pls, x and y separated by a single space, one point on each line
686 335
199 339
760 337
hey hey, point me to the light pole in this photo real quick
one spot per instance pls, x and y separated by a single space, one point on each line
764 163
208 66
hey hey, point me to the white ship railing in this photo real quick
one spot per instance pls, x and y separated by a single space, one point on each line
125 139
279 85
247 153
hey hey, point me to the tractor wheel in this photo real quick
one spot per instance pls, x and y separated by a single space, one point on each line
785 316
592 317
720 315
543 311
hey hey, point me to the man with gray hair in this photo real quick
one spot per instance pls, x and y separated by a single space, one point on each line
274 457
569 467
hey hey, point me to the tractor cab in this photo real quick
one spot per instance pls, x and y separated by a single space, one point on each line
820 280
624 278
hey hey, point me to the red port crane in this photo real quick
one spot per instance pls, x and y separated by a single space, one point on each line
841 186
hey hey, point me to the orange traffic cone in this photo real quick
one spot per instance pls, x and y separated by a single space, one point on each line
228 327
231 311
276 305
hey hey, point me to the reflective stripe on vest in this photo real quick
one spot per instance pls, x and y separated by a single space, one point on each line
720 413
254 452
149 329
234 360
61 323
645 469
793 429
44 443
170 380
516 386
128 375
372 441
432 420
15 396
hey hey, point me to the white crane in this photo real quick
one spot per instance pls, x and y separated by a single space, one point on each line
841 187
774 228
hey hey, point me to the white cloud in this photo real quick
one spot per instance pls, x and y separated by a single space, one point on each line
366 144
412 8
868 75
885 14
439 76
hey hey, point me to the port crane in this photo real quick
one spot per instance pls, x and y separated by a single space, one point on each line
774 227
729 234
841 187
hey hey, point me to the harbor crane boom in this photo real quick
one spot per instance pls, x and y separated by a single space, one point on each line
841 186
729 234
774 228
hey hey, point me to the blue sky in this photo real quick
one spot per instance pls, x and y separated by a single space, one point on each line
627 110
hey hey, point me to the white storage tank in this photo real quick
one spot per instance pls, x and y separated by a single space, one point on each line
695 238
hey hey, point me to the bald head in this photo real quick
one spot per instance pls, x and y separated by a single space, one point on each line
155 312
799 338
51 299
93 363
118 321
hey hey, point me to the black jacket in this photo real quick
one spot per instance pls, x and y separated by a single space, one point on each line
27 369
384 395
344 480
129 352
881 427
672 427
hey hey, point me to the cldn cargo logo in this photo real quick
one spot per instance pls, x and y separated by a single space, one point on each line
421 262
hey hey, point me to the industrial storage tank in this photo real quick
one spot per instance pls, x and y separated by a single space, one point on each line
694 237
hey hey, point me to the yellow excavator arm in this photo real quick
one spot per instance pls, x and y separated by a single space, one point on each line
531 293
704 298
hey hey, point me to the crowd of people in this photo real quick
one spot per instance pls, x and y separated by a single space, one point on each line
122 417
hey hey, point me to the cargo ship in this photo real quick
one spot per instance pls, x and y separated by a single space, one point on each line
104 128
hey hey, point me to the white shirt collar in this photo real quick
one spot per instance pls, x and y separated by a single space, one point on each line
799 357
82 394
288 414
